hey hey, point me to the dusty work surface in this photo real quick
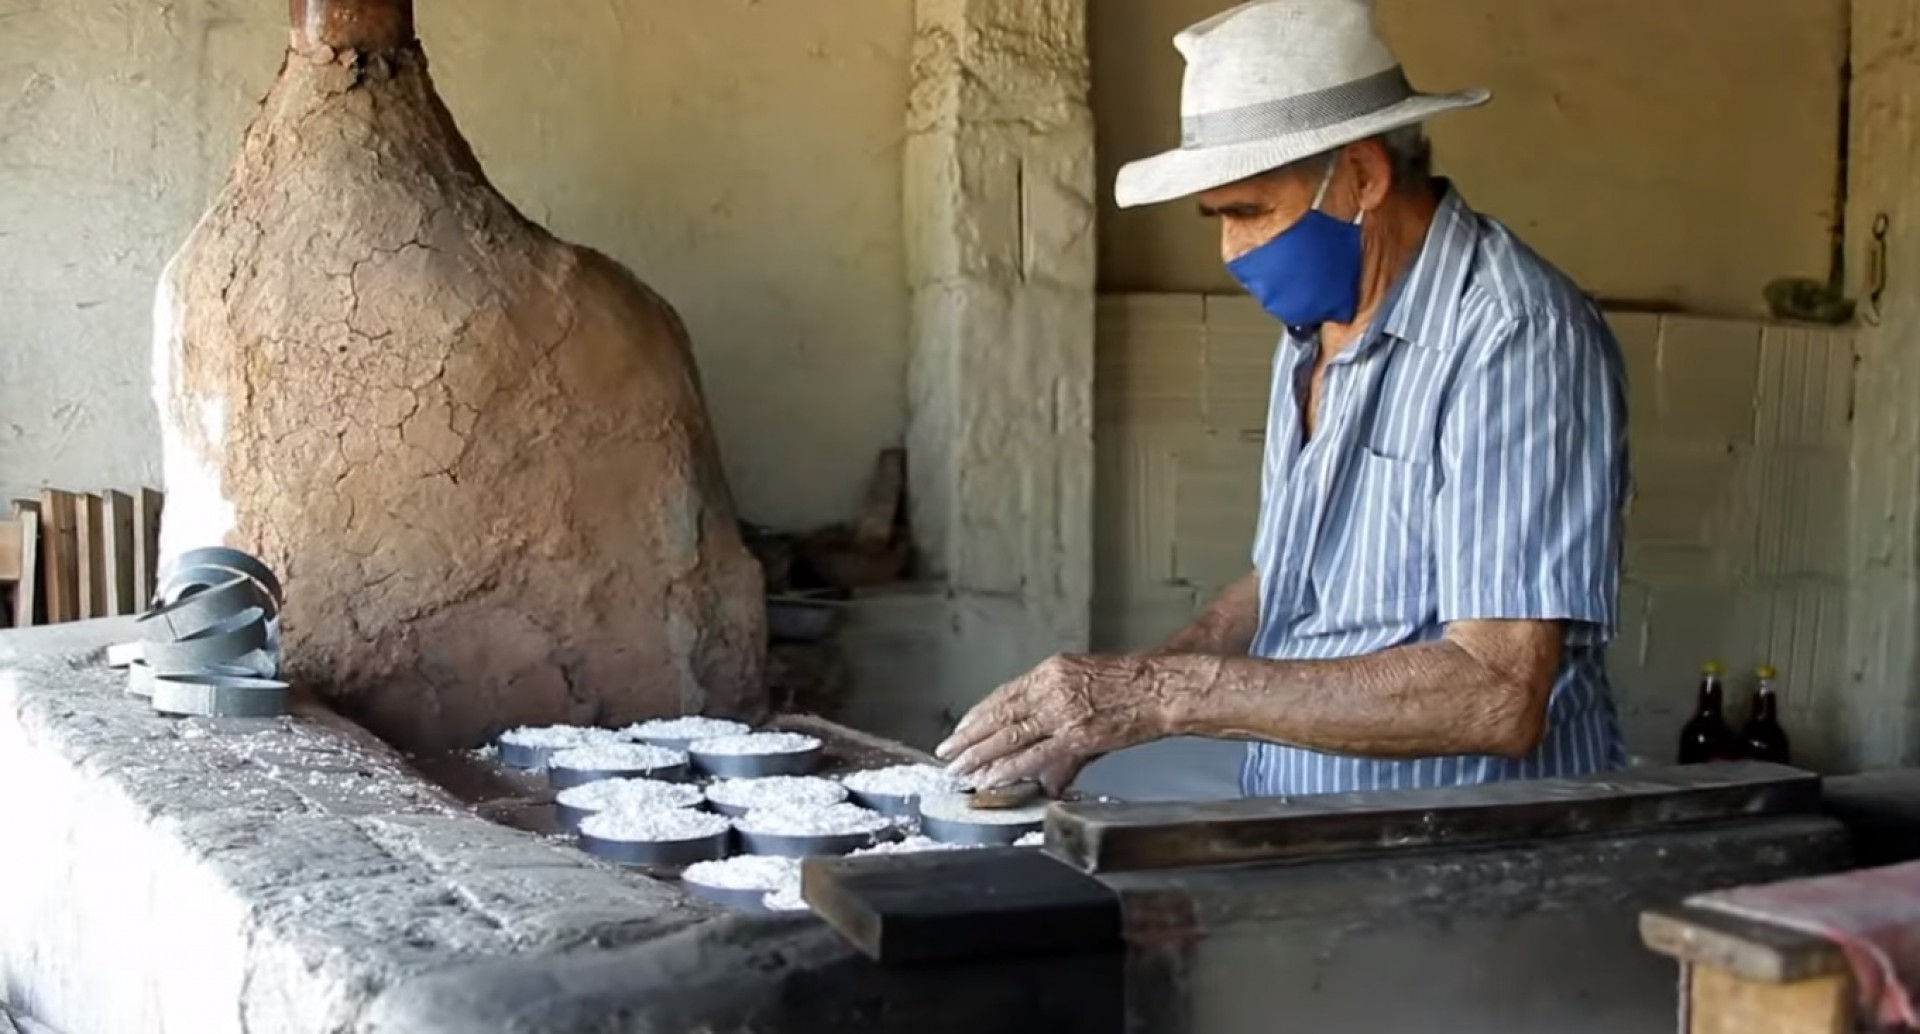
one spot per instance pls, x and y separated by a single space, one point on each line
203 877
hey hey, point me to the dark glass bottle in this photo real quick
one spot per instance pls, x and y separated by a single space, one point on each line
1706 736
1763 739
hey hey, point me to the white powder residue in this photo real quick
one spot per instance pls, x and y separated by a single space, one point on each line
786 899
773 791
629 794
618 757
902 781
690 727
911 845
757 743
958 807
557 737
666 825
1037 838
745 872
812 820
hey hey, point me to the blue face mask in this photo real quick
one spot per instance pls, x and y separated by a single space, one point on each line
1310 273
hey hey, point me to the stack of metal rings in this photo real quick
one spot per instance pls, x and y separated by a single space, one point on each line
210 647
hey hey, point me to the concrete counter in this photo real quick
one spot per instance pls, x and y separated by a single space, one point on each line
190 876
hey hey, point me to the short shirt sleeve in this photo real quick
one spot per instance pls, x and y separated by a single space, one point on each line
1533 458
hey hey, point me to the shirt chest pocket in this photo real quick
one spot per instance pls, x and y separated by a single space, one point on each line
1376 550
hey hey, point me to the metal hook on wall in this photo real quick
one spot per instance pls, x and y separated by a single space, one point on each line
1876 270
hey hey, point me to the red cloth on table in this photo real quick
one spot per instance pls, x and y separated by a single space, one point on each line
1872 915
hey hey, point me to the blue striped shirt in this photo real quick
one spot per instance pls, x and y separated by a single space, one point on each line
1469 462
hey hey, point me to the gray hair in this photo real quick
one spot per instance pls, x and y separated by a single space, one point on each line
1408 150
1412 156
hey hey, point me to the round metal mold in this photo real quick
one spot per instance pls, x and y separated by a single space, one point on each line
739 900
565 778
221 696
200 610
786 846
570 817
181 569
225 643
732 811
754 766
659 854
977 834
899 806
519 755
679 743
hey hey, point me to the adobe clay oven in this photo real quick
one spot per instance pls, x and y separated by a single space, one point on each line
478 455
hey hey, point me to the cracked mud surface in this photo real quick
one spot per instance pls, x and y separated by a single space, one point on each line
477 455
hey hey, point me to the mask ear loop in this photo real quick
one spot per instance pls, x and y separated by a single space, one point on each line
1326 182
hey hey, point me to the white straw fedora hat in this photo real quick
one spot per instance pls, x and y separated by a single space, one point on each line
1274 81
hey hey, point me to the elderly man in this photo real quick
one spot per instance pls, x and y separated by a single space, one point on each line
1437 557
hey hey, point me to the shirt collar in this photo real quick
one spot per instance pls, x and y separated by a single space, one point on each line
1425 305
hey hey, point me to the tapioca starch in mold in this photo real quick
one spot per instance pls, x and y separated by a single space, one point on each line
776 791
629 794
617 757
812 820
659 826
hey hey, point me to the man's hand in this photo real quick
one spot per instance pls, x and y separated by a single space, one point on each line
1049 723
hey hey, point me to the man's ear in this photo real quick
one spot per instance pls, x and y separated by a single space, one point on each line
1372 172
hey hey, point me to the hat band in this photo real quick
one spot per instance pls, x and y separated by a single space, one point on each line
1289 115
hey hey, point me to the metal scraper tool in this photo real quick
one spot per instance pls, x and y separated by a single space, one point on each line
1018 794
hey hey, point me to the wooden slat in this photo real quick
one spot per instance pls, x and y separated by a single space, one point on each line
59 559
1125 837
21 506
884 495
961 906
9 551
1743 947
116 534
146 546
91 552
1722 1003
26 596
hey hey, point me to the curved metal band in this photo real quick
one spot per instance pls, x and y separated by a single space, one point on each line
224 643
202 610
221 696
220 558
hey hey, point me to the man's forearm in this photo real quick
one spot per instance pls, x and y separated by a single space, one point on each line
1421 700
1225 629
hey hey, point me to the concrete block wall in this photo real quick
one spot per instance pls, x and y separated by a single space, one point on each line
1737 531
